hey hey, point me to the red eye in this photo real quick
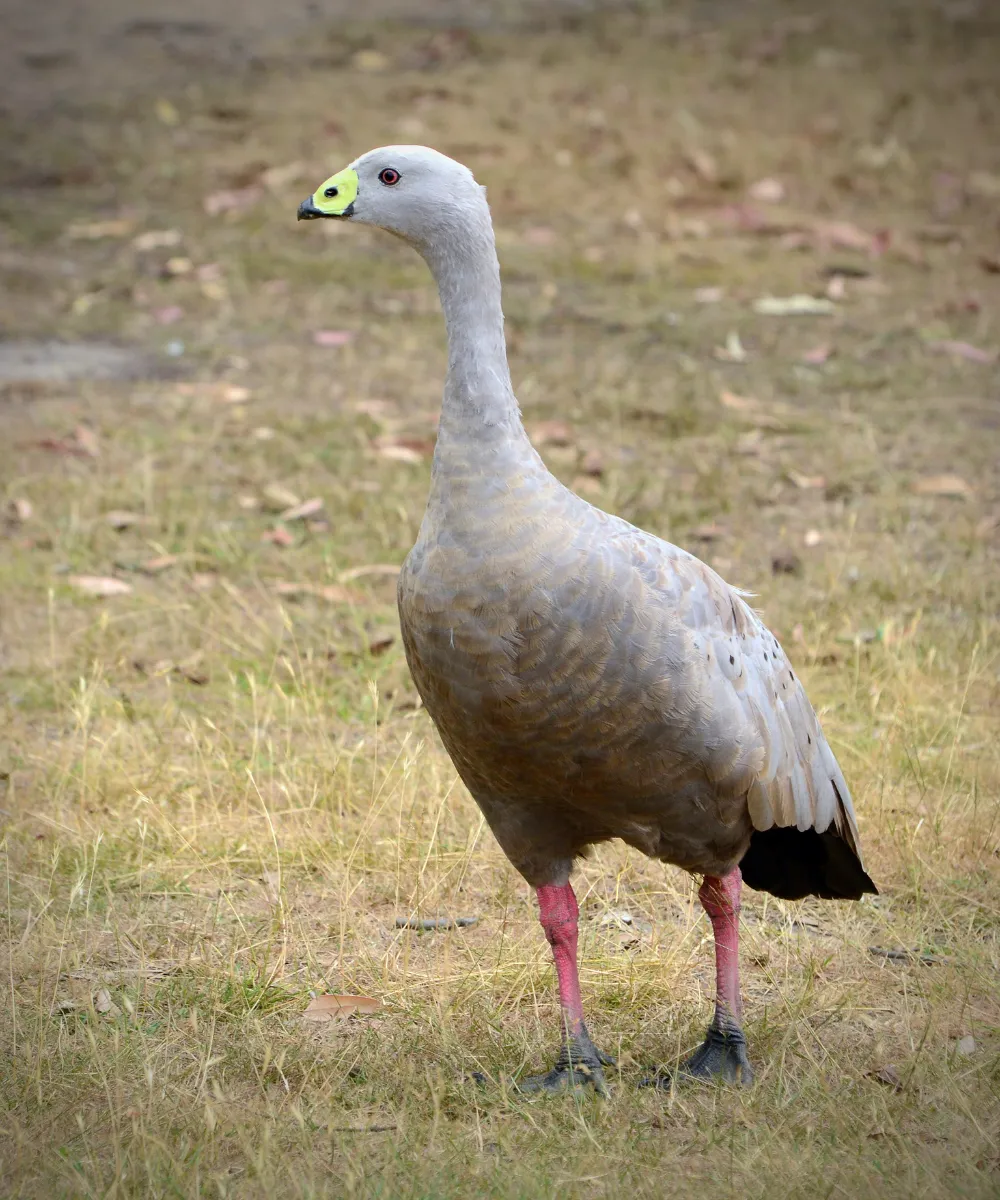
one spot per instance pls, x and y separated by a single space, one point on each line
388 176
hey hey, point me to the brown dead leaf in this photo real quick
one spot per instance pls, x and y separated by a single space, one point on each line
990 262
888 1076
103 1002
162 562
87 442
332 337
299 512
806 482
156 239
92 231
943 485
278 536
703 164
733 351
100 585
593 464
380 642
276 178
737 403
232 200
404 449
336 1008
278 497
552 433
767 191
962 350
386 569
332 592
817 355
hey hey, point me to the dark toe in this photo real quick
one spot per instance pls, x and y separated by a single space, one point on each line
721 1056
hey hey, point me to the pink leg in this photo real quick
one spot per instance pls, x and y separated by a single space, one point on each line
579 1062
720 898
559 913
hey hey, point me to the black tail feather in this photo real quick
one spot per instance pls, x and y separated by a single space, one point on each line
792 863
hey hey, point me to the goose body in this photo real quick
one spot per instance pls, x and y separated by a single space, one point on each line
589 680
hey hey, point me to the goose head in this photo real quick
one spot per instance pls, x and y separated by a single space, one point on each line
414 192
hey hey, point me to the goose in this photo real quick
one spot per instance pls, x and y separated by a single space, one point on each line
589 680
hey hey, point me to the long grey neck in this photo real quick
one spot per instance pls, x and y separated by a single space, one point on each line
479 406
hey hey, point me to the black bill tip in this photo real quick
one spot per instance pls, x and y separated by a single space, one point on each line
308 211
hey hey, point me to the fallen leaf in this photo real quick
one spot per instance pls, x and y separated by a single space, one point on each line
279 497
799 305
279 536
87 441
275 178
92 231
162 562
298 512
962 350
806 482
336 1008
100 585
943 485
369 60
404 449
387 569
990 262
768 191
552 433
178 264
168 315
167 112
593 464
786 563
120 518
984 184
332 592
156 239
380 642
703 164
817 355
732 351
539 235
333 337
231 200
736 402
888 1076
843 235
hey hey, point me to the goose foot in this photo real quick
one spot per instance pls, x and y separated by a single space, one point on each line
721 1056
580 1064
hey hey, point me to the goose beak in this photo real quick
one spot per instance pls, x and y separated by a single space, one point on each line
333 198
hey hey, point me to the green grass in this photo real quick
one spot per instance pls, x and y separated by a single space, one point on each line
216 797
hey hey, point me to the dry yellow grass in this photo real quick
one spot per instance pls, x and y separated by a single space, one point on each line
218 796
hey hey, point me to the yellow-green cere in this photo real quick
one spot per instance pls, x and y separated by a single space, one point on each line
335 195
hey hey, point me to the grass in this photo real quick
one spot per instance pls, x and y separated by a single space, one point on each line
218 796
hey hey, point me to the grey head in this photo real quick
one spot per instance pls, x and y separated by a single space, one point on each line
414 192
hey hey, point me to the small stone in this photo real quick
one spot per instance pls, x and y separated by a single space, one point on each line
966 1045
